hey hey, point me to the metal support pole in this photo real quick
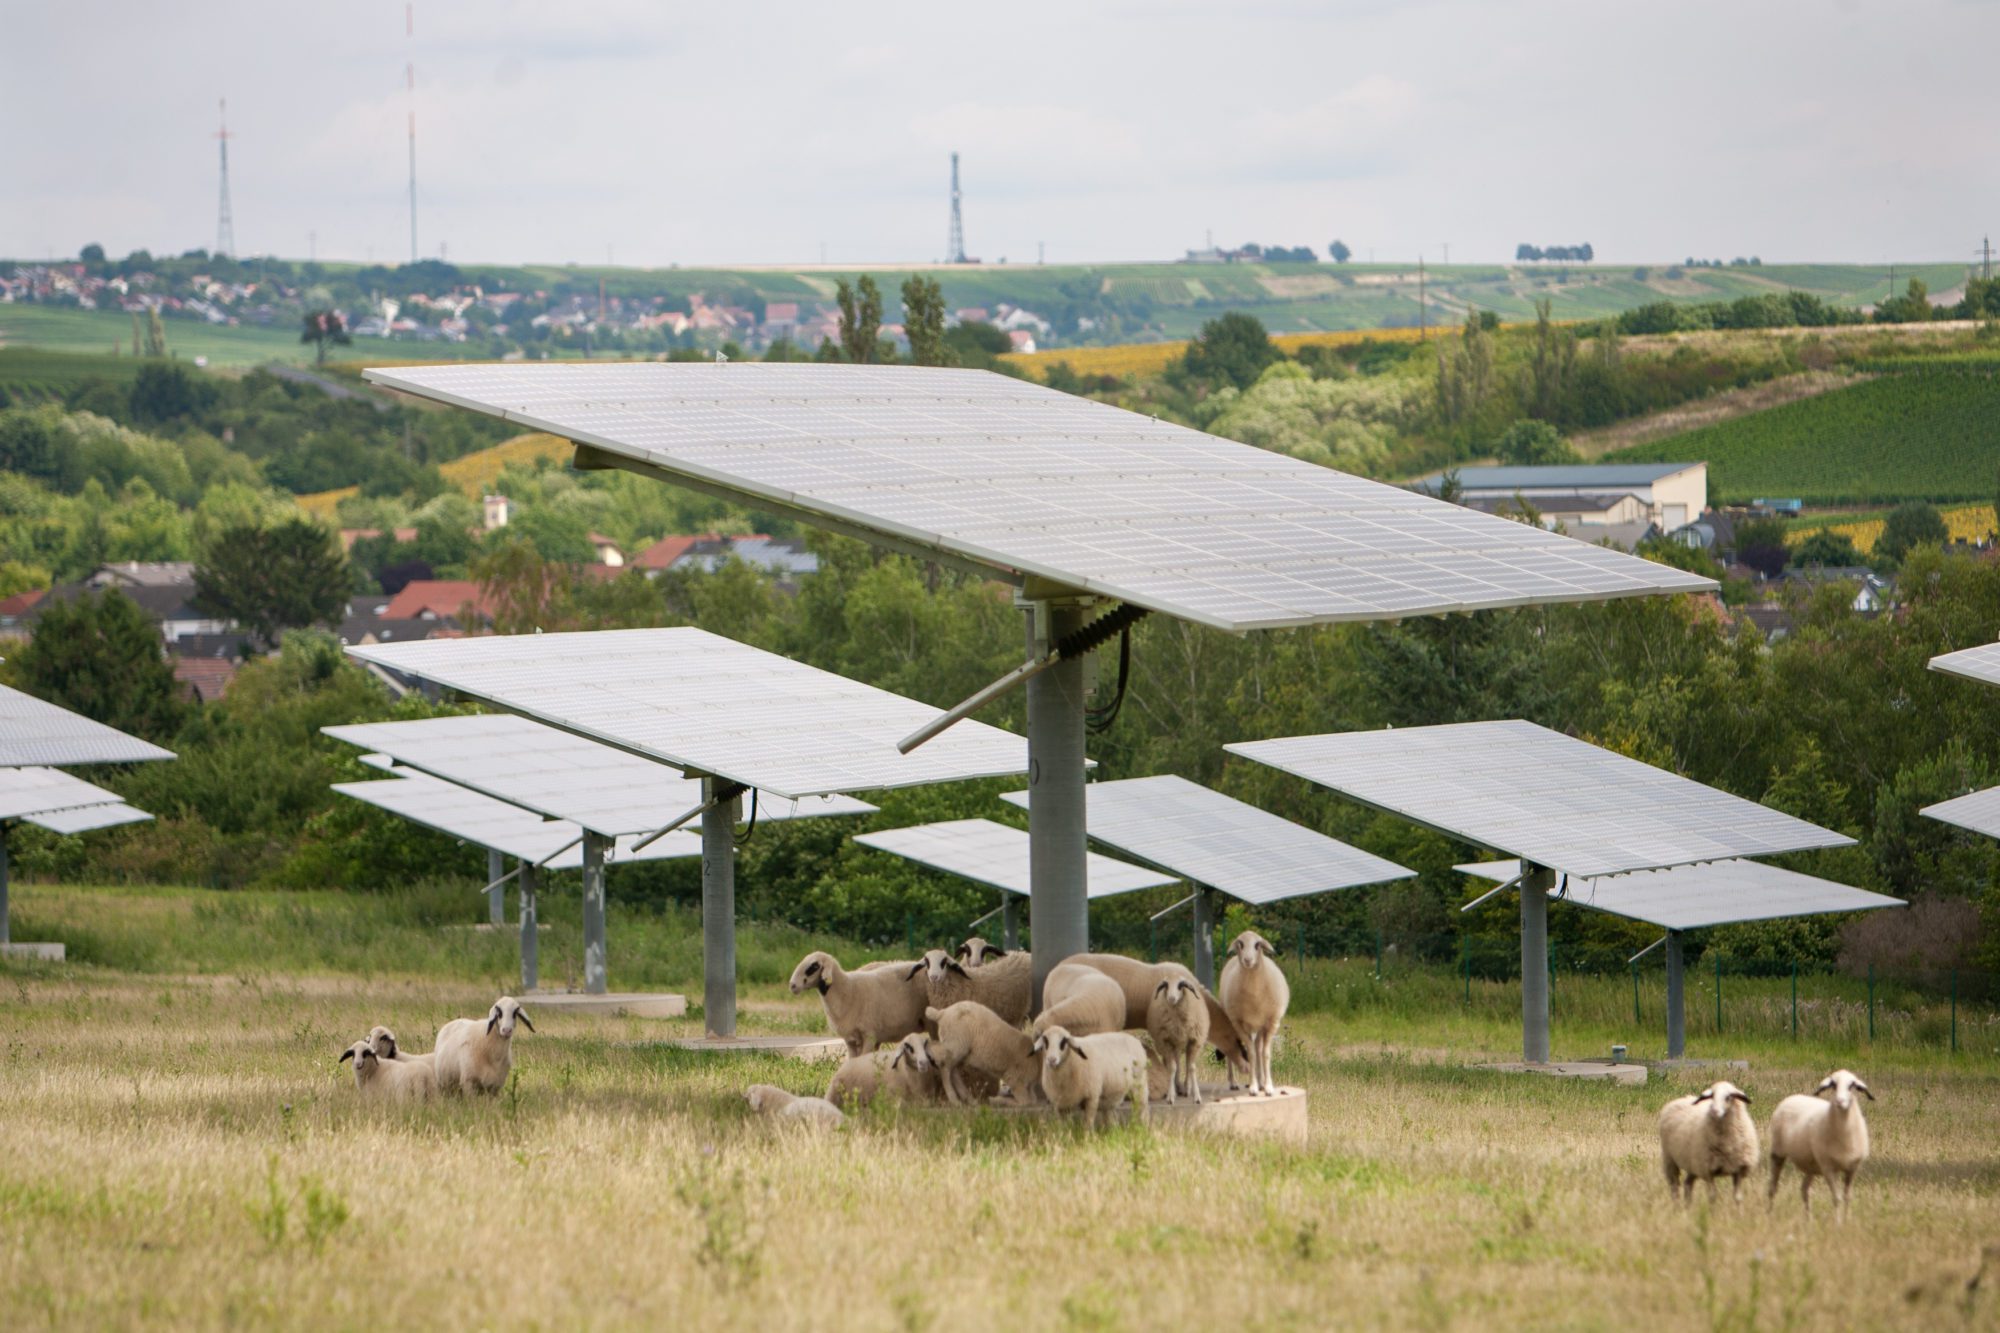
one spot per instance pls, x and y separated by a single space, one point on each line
1677 1026
1010 923
531 944
1056 865
496 896
1204 937
718 913
1535 887
594 968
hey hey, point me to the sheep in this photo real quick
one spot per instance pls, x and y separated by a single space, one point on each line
903 1076
1255 996
977 952
1707 1135
1139 979
392 1080
972 1037
1082 1001
818 1112
476 1055
1821 1138
867 1009
384 1042
1177 1021
1004 984
1092 1073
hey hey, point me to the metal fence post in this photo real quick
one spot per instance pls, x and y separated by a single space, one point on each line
1795 999
1718 994
1954 1011
1635 994
1871 1002
1466 951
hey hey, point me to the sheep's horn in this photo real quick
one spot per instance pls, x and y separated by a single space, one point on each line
522 1014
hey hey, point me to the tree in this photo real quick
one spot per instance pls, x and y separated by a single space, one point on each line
1760 544
860 319
1232 350
321 328
1909 526
1549 364
100 656
1341 254
1533 444
923 320
92 253
271 579
1826 549
165 391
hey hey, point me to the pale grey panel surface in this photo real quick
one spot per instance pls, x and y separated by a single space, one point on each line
504 828
1555 800
554 773
699 701
88 817
997 856
1980 664
1207 838
1720 893
35 732
1978 811
1029 480
34 791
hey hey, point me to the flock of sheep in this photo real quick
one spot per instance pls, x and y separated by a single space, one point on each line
956 1028
471 1055
1710 1135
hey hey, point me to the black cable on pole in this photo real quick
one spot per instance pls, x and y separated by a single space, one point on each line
1099 720
750 827
1099 631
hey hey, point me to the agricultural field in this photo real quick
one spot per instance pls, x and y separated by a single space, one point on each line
1153 358
178 1147
473 474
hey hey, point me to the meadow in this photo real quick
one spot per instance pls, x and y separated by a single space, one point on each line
178 1146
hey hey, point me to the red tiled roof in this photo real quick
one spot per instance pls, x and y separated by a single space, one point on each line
204 678
439 597
662 553
22 602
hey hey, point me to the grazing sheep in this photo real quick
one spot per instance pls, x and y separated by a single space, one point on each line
818 1112
1707 1135
1139 979
1821 1138
1081 1000
475 1054
1092 1073
867 1008
1255 995
977 952
1177 1021
1003 985
391 1080
971 1037
899 1075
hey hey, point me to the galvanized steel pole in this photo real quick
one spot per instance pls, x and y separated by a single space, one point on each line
1204 936
1010 923
5 937
1056 852
594 979
530 938
718 912
496 897
1676 1001
1535 886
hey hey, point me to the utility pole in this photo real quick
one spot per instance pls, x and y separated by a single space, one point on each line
1986 258
954 250
225 225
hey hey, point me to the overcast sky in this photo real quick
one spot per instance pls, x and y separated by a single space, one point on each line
655 132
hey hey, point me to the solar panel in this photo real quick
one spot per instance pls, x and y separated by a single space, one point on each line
997 856
1718 894
1980 664
1207 838
499 826
701 702
85 818
35 732
553 773
1555 800
35 791
1979 811
1025 480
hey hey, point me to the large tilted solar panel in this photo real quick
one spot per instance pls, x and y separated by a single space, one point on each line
1980 664
554 773
708 704
1557 801
498 826
34 732
1720 893
1207 838
1028 480
84 818
997 856
1978 811
36 791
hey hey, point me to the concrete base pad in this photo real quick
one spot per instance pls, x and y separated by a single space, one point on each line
1281 1117
487 927
1625 1073
793 1045
627 1005
1669 1066
44 953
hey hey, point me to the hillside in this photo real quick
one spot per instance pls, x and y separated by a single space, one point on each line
473 475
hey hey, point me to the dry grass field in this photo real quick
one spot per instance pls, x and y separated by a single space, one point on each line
179 1148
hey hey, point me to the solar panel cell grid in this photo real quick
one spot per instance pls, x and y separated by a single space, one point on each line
35 732
997 856
1720 893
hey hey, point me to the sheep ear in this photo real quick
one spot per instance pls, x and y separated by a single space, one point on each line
1264 947
1859 1087
964 952
897 1058
346 1055
955 966
1081 1054
1740 1096
1825 1085
522 1014
994 951
1161 989
912 973
492 1021
1703 1096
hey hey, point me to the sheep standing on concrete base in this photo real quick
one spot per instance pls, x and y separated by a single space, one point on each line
390 1080
1822 1135
1082 1000
1705 1136
818 1112
1092 1073
1003 983
477 1054
867 1009
1177 1021
1255 995
1139 979
973 1039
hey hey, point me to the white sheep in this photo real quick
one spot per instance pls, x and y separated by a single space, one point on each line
972 1038
1255 995
867 1009
477 1054
1004 984
391 1080
1092 1073
1177 1021
976 951
1706 1135
902 1075
1139 979
384 1042
1821 1138
818 1112
1081 1000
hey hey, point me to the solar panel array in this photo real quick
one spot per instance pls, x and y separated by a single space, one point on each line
1218 841
1557 801
997 856
1979 811
85 818
1028 480
553 773
54 800
504 828
35 732
1718 894
708 704
1981 664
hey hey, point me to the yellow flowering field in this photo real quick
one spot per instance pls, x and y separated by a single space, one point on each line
1152 358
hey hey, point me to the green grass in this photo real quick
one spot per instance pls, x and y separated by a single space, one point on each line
34 373
98 332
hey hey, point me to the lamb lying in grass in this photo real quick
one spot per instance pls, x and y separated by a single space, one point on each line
817 1112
